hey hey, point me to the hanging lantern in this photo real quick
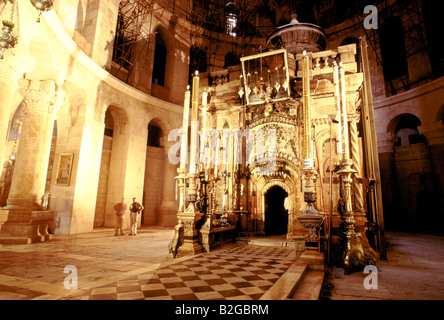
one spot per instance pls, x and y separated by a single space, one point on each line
42 5
7 40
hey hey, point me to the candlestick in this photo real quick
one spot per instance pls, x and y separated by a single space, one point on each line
184 141
204 126
344 109
194 124
204 98
307 115
338 105
216 161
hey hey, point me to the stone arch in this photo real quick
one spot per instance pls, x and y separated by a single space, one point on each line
114 155
155 135
404 127
158 120
269 226
159 184
266 185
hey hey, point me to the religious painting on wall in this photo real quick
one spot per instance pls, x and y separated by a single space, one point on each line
265 77
64 169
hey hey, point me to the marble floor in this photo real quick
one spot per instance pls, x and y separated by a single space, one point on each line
413 270
101 266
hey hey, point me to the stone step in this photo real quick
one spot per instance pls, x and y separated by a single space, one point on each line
309 288
296 244
284 287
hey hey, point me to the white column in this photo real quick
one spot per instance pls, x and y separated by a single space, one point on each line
167 211
28 182
344 111
8 89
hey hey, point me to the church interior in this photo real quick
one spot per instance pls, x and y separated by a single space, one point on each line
288 136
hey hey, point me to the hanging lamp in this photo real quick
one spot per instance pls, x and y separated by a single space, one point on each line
7 40
41 6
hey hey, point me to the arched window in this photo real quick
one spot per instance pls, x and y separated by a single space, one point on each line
109 124
405 127
393 51
154 135
159 66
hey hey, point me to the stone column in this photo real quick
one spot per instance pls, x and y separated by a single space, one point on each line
167 211
434 133
8 88
388 179
358 191
26 221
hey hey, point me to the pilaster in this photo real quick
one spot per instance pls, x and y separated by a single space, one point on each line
28 181
167 211
25 220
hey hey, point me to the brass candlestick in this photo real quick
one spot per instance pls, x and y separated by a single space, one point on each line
355 256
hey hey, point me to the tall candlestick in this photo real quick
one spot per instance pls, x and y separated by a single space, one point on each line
204 127
338 105
194 124
184 141
307 115
216 161
344 110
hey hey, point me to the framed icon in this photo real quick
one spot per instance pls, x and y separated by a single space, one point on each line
64 169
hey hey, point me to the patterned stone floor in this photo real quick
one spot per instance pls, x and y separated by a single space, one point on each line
137 268
236 273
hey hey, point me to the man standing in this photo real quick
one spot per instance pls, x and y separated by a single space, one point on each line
120 213
135 208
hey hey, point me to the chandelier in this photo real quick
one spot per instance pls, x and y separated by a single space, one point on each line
7 40
41 6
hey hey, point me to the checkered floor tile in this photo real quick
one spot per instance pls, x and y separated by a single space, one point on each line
242 272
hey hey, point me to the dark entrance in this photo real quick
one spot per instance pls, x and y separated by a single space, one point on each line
276 216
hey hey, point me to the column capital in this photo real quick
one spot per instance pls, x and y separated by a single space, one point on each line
434 132
385 142
41 95
353 117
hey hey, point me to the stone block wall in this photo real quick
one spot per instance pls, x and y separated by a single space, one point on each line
153 186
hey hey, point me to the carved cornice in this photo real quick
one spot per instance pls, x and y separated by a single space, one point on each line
40 95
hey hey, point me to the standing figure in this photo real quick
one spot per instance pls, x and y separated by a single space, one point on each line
120 213
8 179
135 208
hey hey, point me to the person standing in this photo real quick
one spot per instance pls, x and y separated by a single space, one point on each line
135 209
120 209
